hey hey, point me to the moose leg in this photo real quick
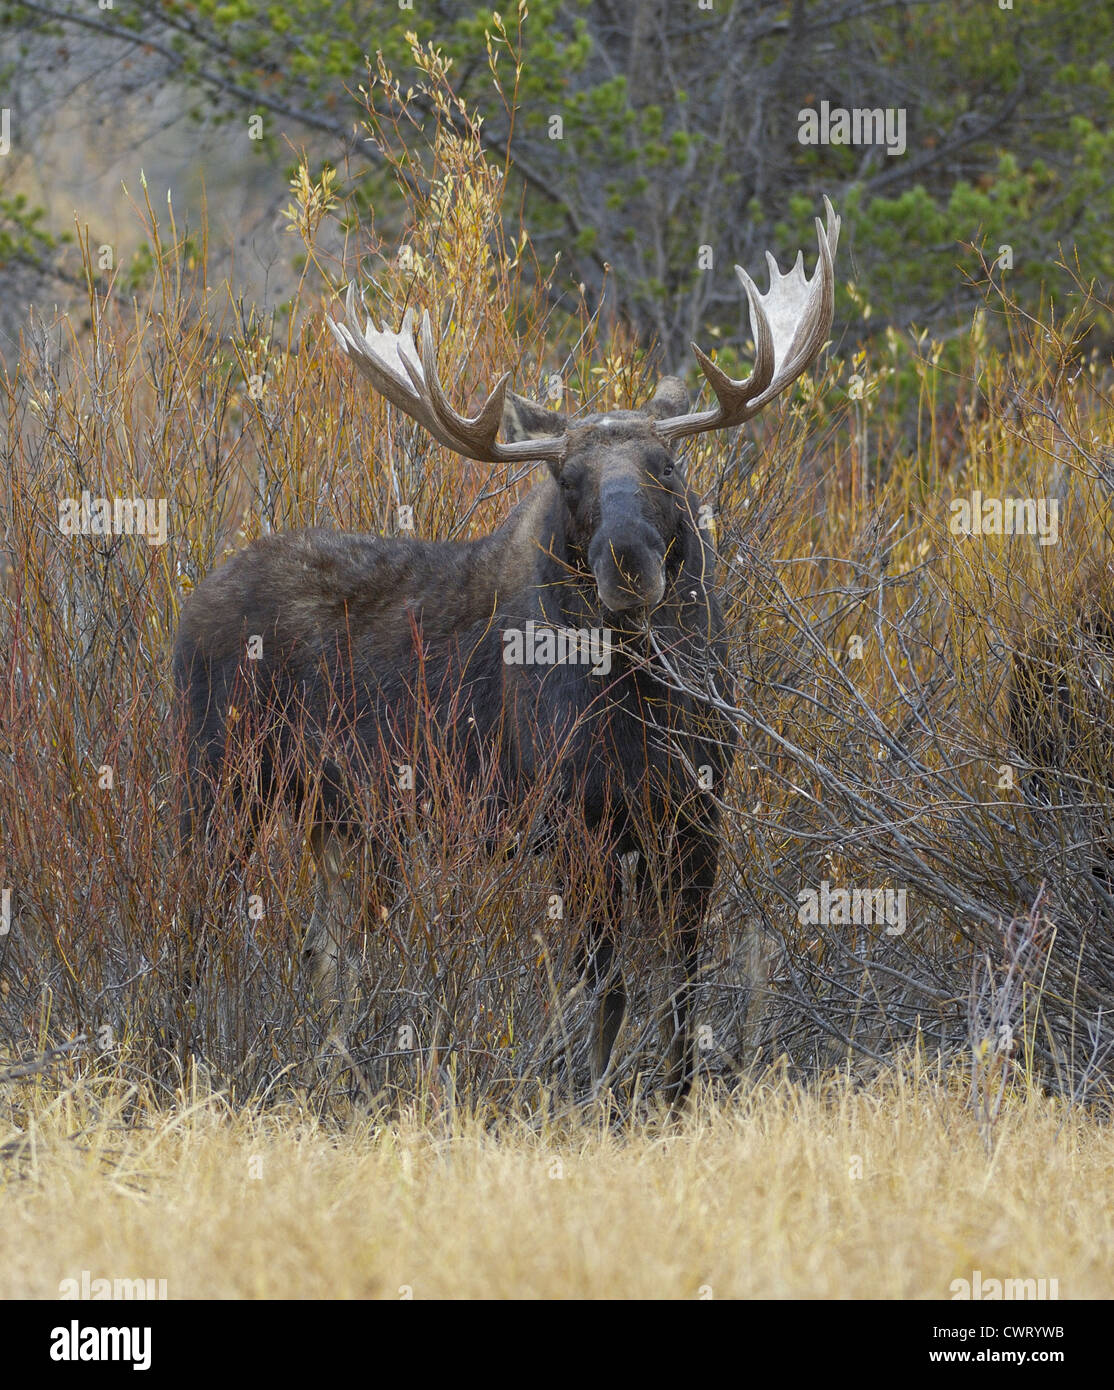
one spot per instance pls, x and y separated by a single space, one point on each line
693 879
597 965
213 874
338 862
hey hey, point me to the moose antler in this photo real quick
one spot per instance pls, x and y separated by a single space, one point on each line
790 323
408 378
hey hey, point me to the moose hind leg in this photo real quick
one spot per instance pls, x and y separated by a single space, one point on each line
676 1026
611 1010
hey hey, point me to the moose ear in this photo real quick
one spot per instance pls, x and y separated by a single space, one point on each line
523 419
671 398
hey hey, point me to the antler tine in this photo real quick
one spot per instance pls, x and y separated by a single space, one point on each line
733 396
407 376
790 323
380 356
807 332
479 432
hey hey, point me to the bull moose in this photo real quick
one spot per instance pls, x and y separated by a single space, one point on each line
359 631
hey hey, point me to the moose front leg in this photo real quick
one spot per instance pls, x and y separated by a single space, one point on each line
597 965
692 881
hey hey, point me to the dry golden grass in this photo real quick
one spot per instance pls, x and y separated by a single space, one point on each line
755 1198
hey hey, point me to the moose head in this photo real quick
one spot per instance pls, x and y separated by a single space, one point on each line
617 473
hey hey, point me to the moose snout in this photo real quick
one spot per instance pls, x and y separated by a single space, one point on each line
629 569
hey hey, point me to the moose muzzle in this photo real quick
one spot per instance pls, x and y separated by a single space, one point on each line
629 567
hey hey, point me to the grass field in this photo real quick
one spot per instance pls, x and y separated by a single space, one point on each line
891 1190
